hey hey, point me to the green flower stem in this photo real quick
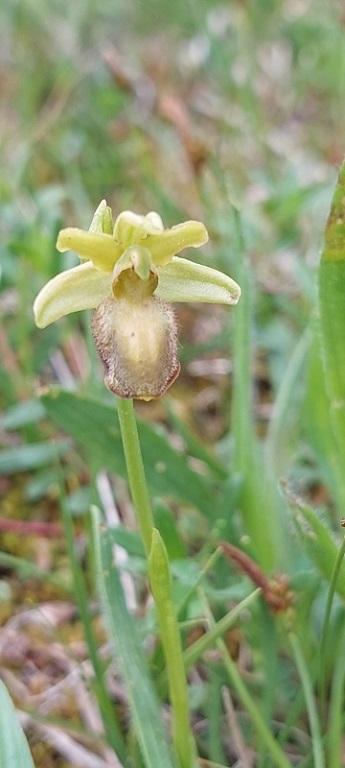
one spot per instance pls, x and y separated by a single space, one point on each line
135 470
161 585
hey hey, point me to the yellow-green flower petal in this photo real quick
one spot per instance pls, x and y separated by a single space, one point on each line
190 234
183 280
99 248
82 287
130 228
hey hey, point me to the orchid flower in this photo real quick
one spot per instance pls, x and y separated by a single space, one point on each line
130 274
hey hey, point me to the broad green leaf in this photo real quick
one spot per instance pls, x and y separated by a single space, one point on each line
195 446
26 457
144 705
14 748
316 419
129 540
332 316
95 425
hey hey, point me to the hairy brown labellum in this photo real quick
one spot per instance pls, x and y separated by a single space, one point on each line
137 342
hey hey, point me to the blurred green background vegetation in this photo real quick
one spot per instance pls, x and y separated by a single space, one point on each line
232 113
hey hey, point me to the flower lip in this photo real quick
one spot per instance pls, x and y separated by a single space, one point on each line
137 343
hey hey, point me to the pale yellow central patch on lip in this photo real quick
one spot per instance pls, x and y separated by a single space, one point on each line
140 332
143 342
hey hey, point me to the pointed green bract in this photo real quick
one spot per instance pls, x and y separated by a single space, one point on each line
334 242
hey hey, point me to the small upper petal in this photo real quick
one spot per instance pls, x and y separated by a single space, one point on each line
99 248
82 287
190 234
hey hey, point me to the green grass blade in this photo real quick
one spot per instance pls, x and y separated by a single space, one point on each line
24 458
28 570
22 414
217 630
336 711
144 704
314 722
110 723
267 738
14 748
330 596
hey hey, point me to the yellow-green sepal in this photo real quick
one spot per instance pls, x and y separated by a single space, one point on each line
82 287
184 280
